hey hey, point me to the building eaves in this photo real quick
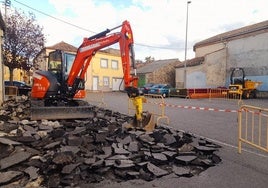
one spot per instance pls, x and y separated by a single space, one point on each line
242 32
155 65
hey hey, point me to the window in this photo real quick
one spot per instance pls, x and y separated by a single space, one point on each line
69 60
105 81
104 63
114 64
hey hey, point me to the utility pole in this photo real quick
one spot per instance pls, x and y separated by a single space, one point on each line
7 4
185 56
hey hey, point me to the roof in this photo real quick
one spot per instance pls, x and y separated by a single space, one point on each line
151 67
63 46
192 62
111 51
242 32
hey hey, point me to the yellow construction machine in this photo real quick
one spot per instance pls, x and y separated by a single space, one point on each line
240 87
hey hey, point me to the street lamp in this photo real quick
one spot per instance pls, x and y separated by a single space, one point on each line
185 56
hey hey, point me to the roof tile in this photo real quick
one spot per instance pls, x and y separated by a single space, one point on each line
63 46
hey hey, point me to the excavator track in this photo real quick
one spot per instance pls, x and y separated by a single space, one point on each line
39 111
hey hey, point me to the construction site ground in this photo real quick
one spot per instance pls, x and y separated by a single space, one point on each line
213 119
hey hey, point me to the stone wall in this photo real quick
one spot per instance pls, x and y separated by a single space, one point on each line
164 75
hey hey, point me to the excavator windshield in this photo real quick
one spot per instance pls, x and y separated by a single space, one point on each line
69 60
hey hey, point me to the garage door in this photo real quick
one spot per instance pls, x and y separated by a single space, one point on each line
118 84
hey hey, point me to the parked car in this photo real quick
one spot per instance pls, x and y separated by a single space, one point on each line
146 88
160 89
23 89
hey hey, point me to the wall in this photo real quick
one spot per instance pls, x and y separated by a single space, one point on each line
196 77
251 54
179 76
205 50
1 69
41 60
95 69
18 74
215 68
163 75
210 74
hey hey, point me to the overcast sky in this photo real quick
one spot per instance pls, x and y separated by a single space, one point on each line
159 26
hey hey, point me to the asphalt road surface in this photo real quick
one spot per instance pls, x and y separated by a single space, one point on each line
218 124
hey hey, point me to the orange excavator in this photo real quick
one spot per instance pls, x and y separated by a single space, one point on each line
62 87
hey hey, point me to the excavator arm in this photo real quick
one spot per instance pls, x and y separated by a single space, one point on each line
88 49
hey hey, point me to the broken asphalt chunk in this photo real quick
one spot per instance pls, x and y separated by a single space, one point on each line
14 159
158 172
9 142
32 172
185 159
181 171
9 176
63 158
170 154
124 164
159 157
169 139
119 149
146 138
134 146
67 169
205 149
52 145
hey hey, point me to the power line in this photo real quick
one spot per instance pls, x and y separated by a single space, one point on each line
79 27
58 19
158 47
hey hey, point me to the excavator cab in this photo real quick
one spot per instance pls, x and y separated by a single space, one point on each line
57 64
50 85
60 64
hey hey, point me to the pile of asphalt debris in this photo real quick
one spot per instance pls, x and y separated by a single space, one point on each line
72 152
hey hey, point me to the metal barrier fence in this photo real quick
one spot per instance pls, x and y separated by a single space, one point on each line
223 93
218 93
96 98
155 104
253 127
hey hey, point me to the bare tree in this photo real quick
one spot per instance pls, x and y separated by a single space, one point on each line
149 59
23 40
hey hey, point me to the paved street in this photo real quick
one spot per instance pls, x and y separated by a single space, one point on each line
246 170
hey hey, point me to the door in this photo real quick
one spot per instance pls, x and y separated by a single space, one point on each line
141 81
95 83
